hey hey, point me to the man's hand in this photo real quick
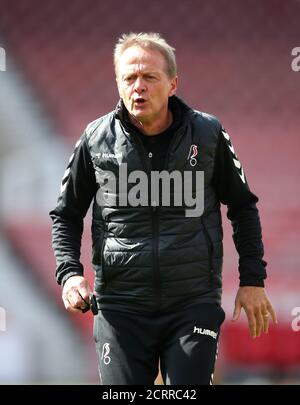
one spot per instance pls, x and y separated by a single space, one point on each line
76 290
258 308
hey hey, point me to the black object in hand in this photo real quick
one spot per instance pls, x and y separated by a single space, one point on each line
92 305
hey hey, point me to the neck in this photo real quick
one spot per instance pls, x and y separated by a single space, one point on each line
153 128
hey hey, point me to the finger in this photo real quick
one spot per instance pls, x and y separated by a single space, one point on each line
266 323
259 323
75 299
273 313
236 312
73 310
265 316
69 307
84 293
251 323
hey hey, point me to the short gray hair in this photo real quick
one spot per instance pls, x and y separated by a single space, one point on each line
150 40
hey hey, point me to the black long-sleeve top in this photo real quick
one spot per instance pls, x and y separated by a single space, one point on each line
229 183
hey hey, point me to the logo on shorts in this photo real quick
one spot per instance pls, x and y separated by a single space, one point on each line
192 155
207 332
105 354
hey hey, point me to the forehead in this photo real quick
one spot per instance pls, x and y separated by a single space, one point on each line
136 57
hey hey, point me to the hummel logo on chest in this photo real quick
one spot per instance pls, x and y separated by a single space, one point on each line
208 332
107 155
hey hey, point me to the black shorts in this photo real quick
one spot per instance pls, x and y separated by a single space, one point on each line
129 346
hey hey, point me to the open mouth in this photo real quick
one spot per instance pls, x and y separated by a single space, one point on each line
139 101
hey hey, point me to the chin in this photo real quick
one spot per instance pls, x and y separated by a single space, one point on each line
139 115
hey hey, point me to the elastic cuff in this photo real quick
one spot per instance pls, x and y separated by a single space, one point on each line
252 282
69 275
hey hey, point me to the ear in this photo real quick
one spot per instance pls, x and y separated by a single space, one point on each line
173 87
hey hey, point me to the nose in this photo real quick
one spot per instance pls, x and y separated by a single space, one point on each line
139 85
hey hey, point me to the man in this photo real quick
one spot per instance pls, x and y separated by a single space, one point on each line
157 265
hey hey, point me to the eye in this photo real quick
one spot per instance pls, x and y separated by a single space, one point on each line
128 79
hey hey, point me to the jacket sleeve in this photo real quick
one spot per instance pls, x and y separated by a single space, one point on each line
232 189
78 188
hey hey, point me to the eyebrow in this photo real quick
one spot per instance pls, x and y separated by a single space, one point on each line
143 73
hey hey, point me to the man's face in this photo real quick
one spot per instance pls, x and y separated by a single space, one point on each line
143 83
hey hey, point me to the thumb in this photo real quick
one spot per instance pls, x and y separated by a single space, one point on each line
237 311
85 292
